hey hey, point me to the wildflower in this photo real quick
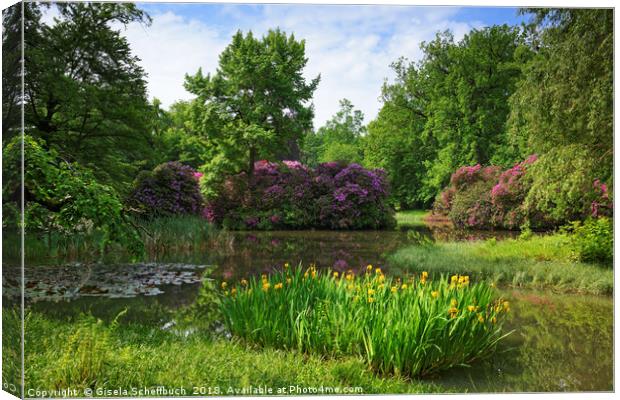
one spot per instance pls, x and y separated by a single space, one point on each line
277 286
313 273
266 286
233 291
394 289
244 282
264 277
335 274
454 279
404 286
349 277
435 294
471 308
453 311
423 277
378 271
454 303
371 292
286 265
305 274
350 287
371 300
381 278
480 318
225 292
368 268
224 284
506 306
381 286
289 280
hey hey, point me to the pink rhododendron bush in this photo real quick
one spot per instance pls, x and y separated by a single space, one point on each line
487 198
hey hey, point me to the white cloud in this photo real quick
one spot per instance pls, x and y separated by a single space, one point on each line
350 46
172 47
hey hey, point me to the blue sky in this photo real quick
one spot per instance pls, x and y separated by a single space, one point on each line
351 46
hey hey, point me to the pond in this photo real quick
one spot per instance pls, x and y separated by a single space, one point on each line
559 342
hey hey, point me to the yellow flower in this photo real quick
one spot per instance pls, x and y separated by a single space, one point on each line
435 294
369 267
381 286
335 274
371 292
225 292
381 278
404 286
506 306
371 300
277 286
313 273
349 276
305 274
224 284
350 287
289 280
378 271
454 303
244 282
264 276
424 274
480 318
471 308
233 291
454 279
394 289
286 265
266 286
453 311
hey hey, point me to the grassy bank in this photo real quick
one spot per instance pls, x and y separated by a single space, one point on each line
90 353
543 262
411 217
160 236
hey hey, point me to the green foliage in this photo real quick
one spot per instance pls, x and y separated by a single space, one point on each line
138 355
541 262
62 197
448 110
593 240
255 105
447 323
85 92
340 139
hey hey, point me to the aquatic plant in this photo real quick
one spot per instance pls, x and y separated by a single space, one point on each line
412 327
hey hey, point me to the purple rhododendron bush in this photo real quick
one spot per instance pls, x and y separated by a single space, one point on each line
170 189
289 195
487 198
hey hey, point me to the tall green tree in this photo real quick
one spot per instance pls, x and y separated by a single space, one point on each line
447 110
339 139
256 105
85 93
563 108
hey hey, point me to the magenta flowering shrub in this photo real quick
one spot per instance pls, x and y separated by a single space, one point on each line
486 197
602 205
170 189
289 195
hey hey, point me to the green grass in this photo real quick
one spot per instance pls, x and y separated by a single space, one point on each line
542 262
411 217
90 354
416 328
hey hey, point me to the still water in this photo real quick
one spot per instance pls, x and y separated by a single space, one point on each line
558 343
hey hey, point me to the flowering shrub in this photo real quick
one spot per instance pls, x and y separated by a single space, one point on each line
170 189
486 197
291 195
